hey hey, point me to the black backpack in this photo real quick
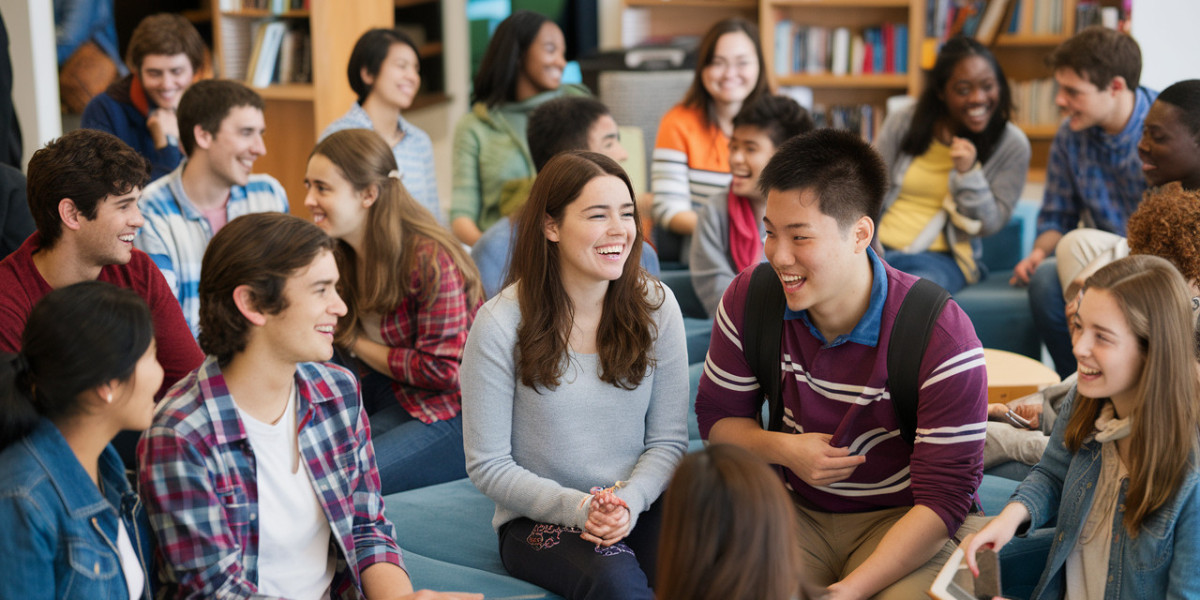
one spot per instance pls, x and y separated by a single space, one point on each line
762 333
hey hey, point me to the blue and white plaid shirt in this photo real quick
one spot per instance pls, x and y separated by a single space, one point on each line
1095 177
414 156
176 233
198 480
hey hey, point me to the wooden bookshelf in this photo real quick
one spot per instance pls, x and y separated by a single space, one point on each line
856 15
647 20
296 113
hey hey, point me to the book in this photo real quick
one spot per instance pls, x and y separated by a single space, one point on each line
990 24
841 51
783 47
266 54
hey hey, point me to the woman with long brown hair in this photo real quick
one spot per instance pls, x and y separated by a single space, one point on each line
729 531
411 293
574 410
1120 473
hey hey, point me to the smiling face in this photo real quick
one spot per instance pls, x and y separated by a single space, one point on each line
733 72
108 238
750 149
1168 149
605 138
972 94
303 332
398 79
1084 104
544 61
134 399
1110 357
809 251
595 234
236 145
165 77
337 208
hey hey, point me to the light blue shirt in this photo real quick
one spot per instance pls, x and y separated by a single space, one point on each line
176 233
414 156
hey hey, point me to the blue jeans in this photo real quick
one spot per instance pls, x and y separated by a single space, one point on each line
938 267
410 454
1049 315
556 558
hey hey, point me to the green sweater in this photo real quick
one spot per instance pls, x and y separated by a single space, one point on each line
489 150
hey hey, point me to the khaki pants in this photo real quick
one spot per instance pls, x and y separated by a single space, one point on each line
1083 251
834 544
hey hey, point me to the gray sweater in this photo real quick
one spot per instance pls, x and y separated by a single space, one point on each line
537 454
711 261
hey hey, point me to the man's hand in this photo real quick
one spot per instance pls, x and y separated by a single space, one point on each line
817 463
1024 269
1029 412
163 125
962 152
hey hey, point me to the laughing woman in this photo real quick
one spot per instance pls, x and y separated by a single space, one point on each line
956 166
577 381
411 292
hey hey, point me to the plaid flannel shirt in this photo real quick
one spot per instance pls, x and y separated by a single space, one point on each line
198 481
427 341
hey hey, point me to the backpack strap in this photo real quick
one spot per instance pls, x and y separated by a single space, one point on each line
911 331
762 334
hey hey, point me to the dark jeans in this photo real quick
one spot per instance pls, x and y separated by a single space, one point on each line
1049 316
556 558
938 267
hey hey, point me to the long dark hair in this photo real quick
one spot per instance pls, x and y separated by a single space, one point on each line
728 531
76 338
496 80
626 332
931 107
697 95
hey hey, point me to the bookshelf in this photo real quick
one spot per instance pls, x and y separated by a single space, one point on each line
791 55
645 21
296 113
422 20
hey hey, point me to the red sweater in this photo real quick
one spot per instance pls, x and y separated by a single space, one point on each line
21 286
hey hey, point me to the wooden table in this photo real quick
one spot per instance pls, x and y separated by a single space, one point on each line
1012 375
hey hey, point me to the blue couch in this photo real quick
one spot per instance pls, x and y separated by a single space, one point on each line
449 544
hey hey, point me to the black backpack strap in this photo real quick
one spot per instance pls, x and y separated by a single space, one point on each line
910 336
762 334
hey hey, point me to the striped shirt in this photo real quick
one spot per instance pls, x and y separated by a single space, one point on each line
843 389
1095 177
691 163
414 156
198 479
176 233
426 341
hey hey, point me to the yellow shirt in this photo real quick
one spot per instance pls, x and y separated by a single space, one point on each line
925 185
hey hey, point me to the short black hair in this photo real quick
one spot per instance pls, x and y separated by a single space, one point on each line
779 116
369 53
207 103
85 165
561 124
1185 95
847 175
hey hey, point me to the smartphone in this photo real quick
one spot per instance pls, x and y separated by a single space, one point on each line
954 580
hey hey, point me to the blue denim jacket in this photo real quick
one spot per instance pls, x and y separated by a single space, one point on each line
58 534
1162 562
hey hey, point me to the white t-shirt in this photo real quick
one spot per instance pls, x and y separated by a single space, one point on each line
294 559
135 579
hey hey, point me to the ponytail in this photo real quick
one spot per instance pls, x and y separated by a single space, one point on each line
18 413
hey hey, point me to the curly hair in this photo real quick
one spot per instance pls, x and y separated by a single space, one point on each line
1165 225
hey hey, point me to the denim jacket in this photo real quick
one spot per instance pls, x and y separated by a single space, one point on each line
58 534
1162 562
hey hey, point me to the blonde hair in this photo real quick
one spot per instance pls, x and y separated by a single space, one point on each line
397 224
1154 299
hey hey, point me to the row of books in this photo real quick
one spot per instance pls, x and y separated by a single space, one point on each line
281 53
864 119
275 6
839 50
984 19
1034 102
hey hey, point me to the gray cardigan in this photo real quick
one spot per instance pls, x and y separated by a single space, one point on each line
986 193
537 453
711 261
